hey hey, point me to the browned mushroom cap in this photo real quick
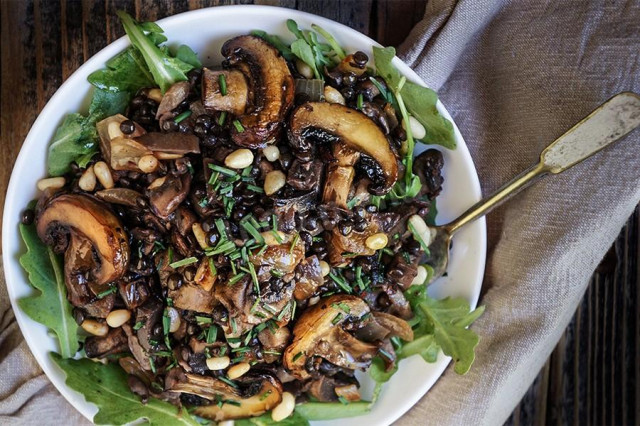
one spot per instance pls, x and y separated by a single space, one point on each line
265 393
319 333
272 85
119 150
79 215
173 144
177 93
236 97
334 122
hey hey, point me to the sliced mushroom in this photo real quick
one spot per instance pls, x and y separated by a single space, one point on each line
193 297
174 144
123 196
236 97
126 153
308 278
261 394
272 85
90 224
165 198
123 156
325 122
176 94
113 343
382 326
319 332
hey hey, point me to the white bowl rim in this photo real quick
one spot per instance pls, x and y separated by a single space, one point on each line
10 221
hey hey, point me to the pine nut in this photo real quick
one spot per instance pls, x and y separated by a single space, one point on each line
314 300
87 181
271 153
118 317
421 276
333 96
238 370
148 163
377 241
157 183
155 94
103 174
201 236
218 363
420 230
226 423
417 129
94 327
271 240
325 268
50 183
113 130
274 181
239 159
304 69
174 319
285 408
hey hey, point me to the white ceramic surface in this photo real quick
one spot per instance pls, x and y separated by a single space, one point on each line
205 30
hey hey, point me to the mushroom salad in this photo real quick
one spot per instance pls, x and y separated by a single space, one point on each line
243 237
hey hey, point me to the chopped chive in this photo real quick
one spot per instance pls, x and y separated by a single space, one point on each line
241 349
222 80
360 101
418 237
203 320
272 353
228 381
170 254
214 177
386 354
182 116
248 226
112 289
296 238
228 206
267 393
203 203
342 306
255 189
336 319
225 171
212 267
341 282
184 262
138 325
221 228
343 400
254 278
255 305
238 126
284 311
277 236
222 118
352 202
269 309
234 326
212 334
297 356
236 278
317 239
274 219
277 273
223 350
385 93
152 364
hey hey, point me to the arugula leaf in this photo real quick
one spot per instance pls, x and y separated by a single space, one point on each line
188 56
331 40
77 137
296 419
276 42
165 69
332 410
106 386
442 323
378 372
303 51
420 101
125 72
50 307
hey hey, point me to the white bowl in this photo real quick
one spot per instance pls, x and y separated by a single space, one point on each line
205 30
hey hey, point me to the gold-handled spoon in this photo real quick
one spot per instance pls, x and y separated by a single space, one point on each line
610 122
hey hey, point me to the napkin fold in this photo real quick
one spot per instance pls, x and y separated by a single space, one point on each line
514 75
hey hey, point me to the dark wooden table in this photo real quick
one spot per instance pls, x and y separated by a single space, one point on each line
591 377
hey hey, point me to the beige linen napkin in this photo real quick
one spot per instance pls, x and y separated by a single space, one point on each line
514 75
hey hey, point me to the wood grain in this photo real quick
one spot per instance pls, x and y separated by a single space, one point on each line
592 376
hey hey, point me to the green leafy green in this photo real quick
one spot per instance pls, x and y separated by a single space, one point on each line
442 323
164 68
420 101
50 307
296 419
332 410
106 387
77 137
378 371
331 40
188 56
303 51
276 42
125 72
